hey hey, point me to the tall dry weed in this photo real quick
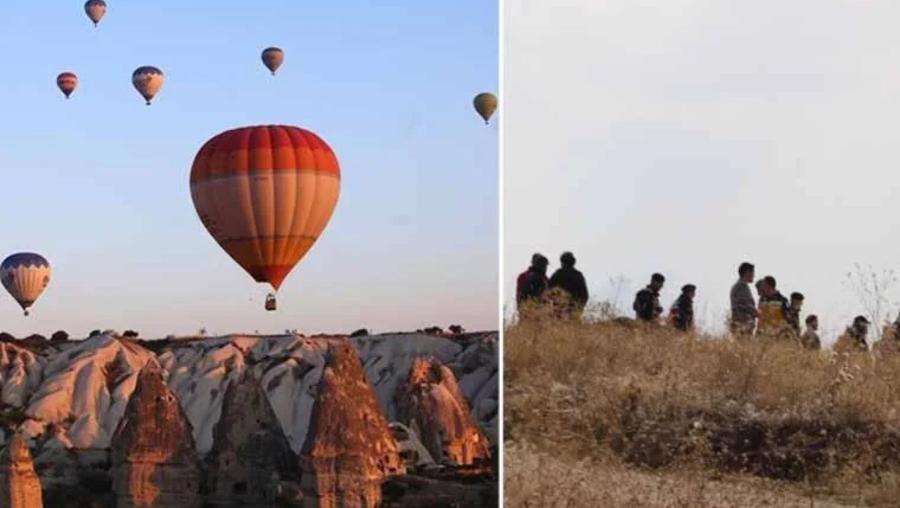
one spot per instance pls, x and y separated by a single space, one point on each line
624 393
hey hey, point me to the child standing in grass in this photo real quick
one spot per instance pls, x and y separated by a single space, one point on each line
810 338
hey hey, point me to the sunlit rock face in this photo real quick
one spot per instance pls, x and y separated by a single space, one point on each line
85 389
19 484
250 453
69 399
81 387
154 460
349 449
431 403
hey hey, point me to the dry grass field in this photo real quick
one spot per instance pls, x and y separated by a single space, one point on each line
617 414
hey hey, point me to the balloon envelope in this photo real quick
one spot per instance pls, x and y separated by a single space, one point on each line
148 80
265 194
485 104
25 275
67 82
273 58
95 9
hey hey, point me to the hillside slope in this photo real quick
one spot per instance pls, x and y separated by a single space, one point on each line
72 395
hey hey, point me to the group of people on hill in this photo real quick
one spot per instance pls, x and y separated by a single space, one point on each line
774 315
778 316
567 290
533 286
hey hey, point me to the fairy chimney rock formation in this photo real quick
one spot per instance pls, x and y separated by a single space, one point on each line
20 486
349 449
249 448
154 462
431 403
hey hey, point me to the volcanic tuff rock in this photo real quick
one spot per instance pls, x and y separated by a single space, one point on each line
19 484
349 449
85 388
473 359
84 385
431 403
20 373
71 397
249 448
154 461
412 451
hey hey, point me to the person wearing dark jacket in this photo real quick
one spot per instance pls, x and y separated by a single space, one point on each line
681 314
646 302
570 280
854 339
531 284
792 315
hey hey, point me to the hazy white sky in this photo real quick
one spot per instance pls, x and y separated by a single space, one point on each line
686 136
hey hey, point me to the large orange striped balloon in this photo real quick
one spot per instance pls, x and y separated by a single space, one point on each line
265 194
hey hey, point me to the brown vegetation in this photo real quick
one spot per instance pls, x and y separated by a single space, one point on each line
634 400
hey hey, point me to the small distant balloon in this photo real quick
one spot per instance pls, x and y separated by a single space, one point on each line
25 275
148 80
67 82
273 58
95 9
485 104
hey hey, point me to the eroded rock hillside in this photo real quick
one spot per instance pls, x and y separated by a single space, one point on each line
71 402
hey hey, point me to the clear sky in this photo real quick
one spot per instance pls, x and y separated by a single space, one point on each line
99 184
687 136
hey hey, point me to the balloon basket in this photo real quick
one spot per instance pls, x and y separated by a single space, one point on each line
271 304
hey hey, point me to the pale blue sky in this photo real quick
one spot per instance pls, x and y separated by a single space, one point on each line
687 136
99 184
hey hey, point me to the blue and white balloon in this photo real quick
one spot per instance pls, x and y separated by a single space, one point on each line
25 275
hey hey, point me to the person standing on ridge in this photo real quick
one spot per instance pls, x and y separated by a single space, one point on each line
570 280
743 306
854 339
531 284
792 314
646 302
772 309
810 338
890 338
681 314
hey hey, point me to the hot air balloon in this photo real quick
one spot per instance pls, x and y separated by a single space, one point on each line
67 82
95 9
265 194
25 275
148 80
485 104
273 58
